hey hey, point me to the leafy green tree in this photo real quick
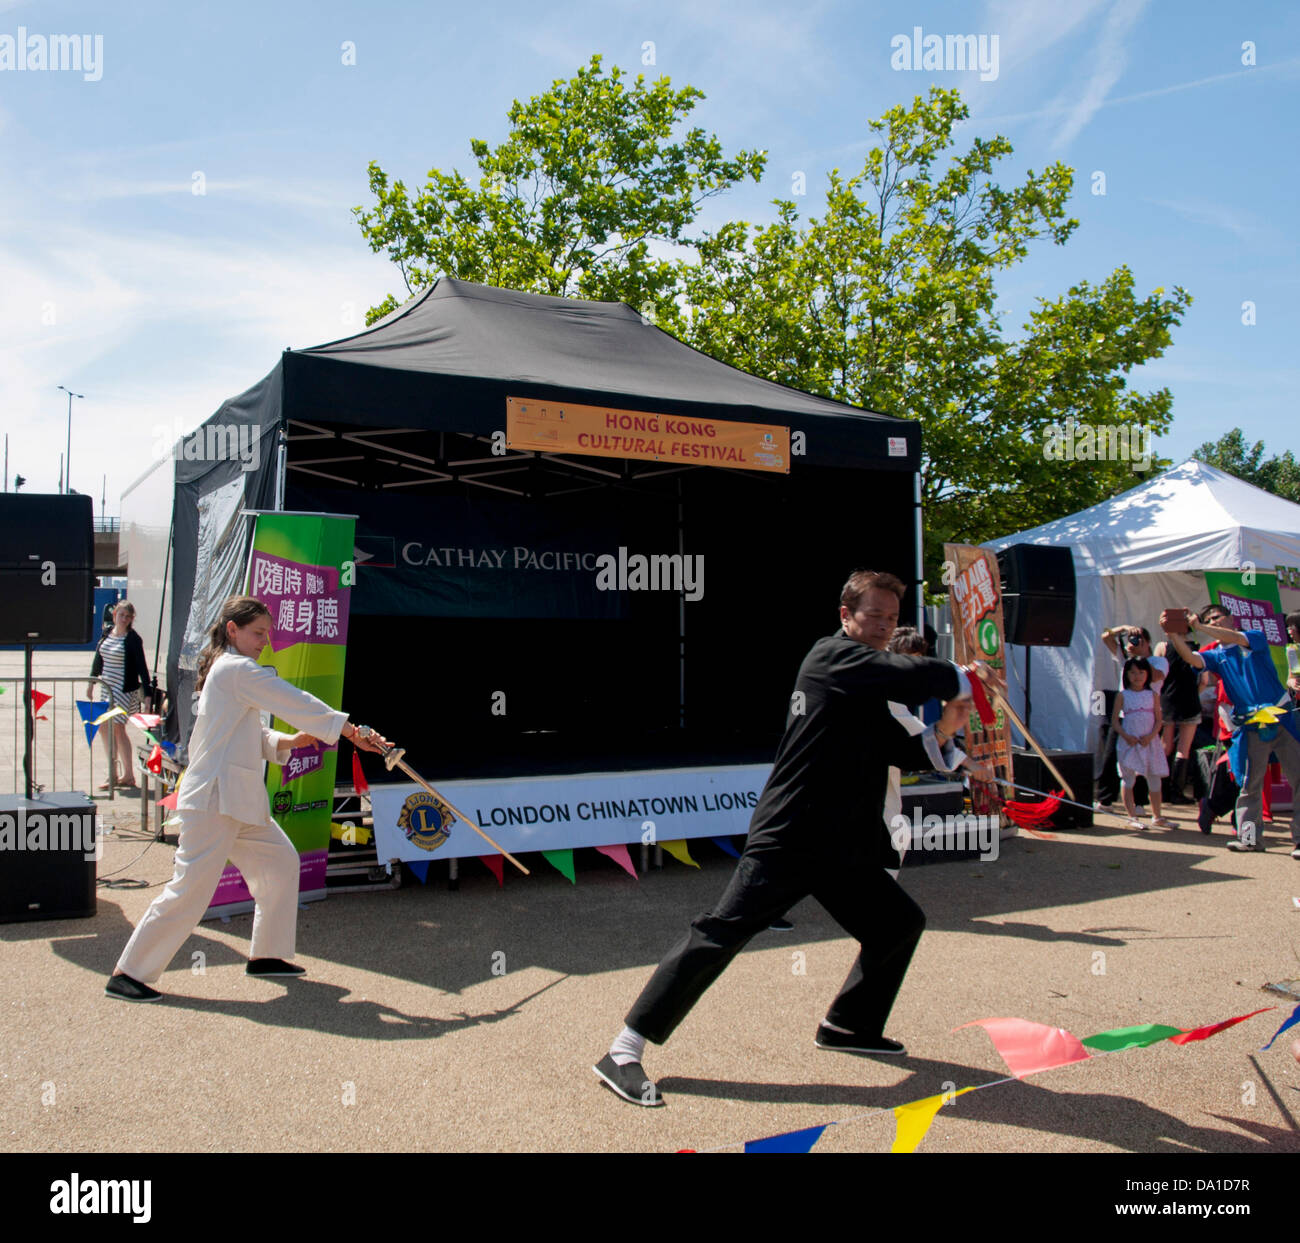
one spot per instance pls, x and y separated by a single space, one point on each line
1279 475
570 203
888 301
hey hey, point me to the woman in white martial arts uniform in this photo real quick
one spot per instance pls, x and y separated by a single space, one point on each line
223 805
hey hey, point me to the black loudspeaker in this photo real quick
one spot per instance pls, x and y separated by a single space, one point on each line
44 869
1037 595
47 568
1075 767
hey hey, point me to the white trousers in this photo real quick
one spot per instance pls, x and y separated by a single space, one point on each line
269 864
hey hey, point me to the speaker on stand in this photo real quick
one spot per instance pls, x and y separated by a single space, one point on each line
47 569
1038 599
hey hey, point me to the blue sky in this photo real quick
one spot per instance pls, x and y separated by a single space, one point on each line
157 303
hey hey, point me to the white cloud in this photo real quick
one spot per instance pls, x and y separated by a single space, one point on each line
1110 61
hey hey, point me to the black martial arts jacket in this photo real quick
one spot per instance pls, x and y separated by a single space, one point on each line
826 793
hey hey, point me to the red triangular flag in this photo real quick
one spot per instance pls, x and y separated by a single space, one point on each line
358 777
618 852
495 865
1028 1048
39 700
1204 1033
154 762
170 800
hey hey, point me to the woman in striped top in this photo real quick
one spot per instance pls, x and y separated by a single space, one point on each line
124 678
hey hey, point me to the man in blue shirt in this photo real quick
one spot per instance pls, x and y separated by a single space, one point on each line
1250 681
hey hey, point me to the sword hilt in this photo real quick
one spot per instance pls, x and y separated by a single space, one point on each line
391 754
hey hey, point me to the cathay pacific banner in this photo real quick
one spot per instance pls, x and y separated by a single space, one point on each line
552 813
498 557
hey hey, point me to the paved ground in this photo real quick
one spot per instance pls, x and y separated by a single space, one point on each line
403 1039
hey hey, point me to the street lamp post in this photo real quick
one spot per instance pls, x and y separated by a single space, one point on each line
67 461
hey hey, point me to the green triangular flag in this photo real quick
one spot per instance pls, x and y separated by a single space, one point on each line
1131 1037
562 862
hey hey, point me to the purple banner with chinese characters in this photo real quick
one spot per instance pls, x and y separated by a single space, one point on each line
301 568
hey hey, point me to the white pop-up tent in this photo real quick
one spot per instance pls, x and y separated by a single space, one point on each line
1142 551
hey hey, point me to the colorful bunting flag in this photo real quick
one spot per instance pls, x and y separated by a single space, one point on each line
170 800
1291 1022
1204 1033
145 720
89 709
421 870
790 1141
39 700
154 762
725 846
562 862
618 852
497 866
1131 1037
104 716
169 748
1028 1048
914 1118
679 852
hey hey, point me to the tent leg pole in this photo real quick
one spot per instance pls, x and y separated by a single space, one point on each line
920 555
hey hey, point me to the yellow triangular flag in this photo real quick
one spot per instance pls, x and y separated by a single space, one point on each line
915 1117
679 852
99 720
1265 716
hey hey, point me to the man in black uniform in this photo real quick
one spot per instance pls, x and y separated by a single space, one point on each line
819 829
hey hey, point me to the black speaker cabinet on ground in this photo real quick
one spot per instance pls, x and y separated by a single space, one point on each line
1037 595
44 869
1075 767
47 568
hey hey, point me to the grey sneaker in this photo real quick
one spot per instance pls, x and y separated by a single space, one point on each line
630 1082
1242 848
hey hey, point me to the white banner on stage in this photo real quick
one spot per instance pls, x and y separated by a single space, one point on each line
552 813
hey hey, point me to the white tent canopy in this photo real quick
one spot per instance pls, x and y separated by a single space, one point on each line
1135 554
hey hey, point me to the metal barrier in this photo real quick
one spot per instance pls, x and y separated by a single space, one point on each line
59 750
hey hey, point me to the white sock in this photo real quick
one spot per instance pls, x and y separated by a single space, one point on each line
627 1047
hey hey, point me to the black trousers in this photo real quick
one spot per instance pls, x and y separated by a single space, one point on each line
857 893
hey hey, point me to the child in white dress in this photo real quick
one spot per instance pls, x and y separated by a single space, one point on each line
1139 751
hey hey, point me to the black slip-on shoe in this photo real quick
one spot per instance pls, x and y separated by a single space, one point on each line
630 1082
852 1042
272 966
124 988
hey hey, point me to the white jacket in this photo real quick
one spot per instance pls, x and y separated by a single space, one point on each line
229 741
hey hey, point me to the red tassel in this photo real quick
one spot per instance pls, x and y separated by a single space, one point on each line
358 777
1031 816
985 711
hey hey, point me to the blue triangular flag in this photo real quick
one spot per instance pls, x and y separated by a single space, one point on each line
89 711
722 844
1291 1022
791 1141
421 870
169 747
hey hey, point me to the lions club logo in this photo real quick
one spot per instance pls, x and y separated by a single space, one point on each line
426 821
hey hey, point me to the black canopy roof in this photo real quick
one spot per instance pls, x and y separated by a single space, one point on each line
450 356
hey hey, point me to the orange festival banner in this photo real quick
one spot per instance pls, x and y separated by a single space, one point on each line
975 593
601 431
